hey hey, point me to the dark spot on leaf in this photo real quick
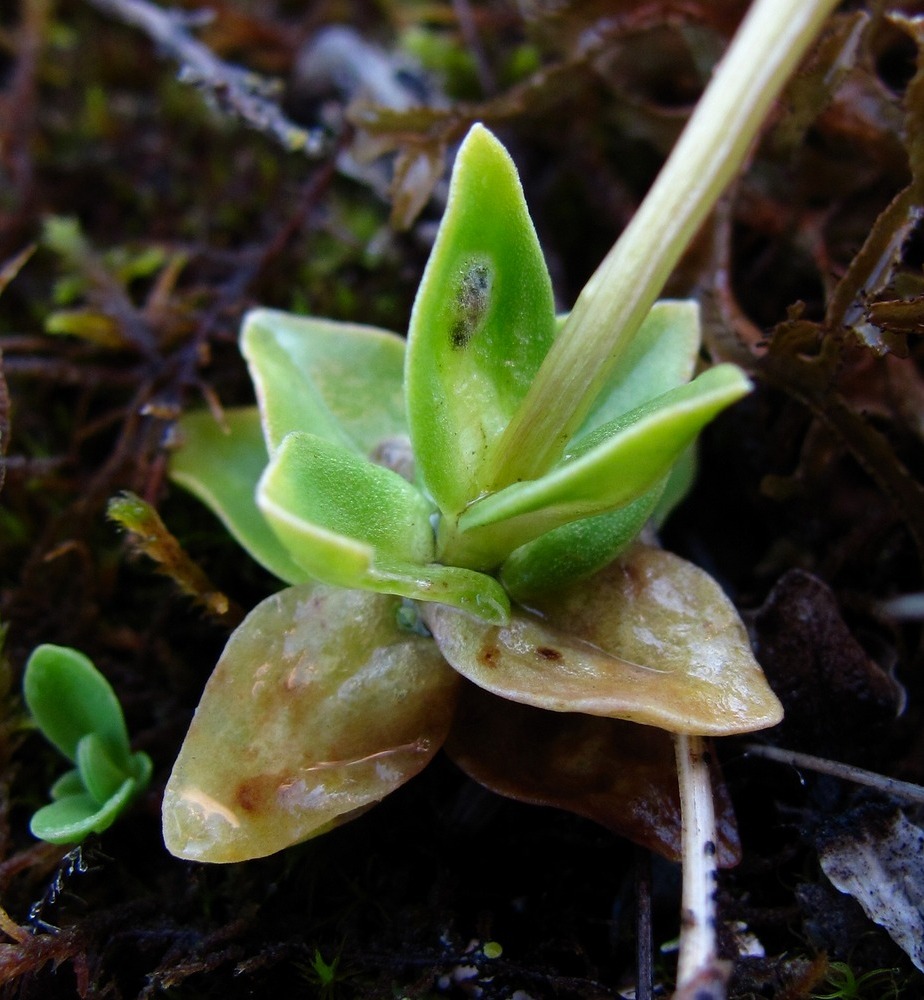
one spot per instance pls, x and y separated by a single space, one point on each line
472 296
709 848
251 794
547 653
488 655
460 334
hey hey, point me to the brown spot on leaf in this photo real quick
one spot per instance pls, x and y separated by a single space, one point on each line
252 794
547 653
488 655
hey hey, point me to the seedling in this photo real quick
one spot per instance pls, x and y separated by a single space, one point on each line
460 514
76 710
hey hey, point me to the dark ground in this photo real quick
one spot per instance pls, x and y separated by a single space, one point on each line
809 508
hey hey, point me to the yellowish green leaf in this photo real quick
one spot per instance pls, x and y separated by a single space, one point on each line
320 706
651 639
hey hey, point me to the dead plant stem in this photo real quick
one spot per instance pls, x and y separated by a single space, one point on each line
904 790
698 846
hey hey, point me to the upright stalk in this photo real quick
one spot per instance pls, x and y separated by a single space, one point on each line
770 43
699 972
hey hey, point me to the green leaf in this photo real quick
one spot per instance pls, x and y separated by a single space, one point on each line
650 639
319 707
341 381
69 698
660 357
679 483
221 467
140 768
70 783
575 550
482 322
336 512
101 777
609 467
349 522
72 818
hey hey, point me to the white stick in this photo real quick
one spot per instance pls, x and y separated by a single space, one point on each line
698 956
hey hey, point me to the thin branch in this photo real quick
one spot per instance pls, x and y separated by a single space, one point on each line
888 786
231 89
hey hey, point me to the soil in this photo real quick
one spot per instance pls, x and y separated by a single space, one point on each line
142 214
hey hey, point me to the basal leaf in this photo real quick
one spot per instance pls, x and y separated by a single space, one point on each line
341 381
650 639
482 323
620 775
320 706
609 467
69 698
355 524
72 818
221 467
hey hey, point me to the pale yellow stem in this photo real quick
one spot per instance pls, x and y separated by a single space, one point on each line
770 43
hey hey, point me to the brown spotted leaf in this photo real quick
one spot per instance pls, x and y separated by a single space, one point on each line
650 639
620 775
319 707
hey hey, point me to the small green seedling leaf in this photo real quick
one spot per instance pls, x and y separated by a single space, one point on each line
222 466
70 783
140 768
320 706
101 777
76 709
349 522
482 322
72 818
69 698
650 639
340 381
609 467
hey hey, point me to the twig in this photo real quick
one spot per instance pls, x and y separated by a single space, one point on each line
888 786
233 90
700 974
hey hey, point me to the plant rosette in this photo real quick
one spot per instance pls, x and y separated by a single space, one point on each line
77 711
436 595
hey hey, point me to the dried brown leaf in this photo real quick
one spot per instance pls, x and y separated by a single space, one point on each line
830 687
619 774
873 268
